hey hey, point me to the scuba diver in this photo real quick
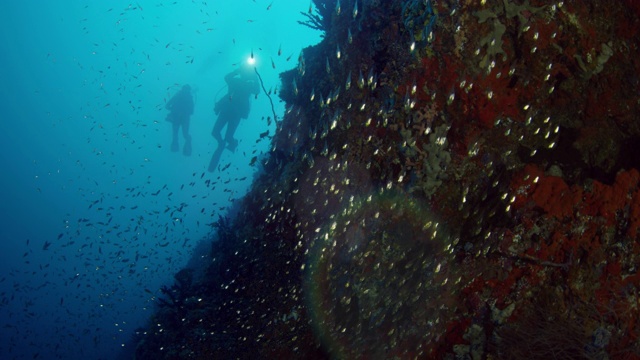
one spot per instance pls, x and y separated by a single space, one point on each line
180 109
235 105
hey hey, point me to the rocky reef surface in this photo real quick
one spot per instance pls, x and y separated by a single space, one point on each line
452 179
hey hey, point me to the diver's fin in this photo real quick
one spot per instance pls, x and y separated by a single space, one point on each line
215 158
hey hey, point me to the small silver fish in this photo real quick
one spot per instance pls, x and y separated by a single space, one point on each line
348 83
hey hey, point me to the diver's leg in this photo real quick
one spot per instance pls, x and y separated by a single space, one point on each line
215 158
187 138
174 142
217 129
185 130
217 134
231 130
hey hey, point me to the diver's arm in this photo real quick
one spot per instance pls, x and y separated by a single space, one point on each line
169 104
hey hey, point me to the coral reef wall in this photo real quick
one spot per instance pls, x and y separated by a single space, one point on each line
450 179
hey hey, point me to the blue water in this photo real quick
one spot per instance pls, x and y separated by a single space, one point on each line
97 212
